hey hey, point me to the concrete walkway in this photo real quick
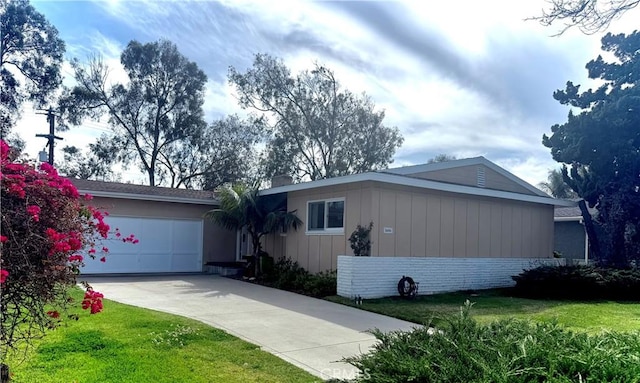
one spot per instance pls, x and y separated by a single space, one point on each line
310 333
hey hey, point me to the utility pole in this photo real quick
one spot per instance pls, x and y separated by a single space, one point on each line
51 137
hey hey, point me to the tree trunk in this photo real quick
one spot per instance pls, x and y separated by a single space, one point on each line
256 254
152 180
4 373
594 245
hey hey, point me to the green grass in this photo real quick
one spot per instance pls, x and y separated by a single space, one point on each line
491 305
130 344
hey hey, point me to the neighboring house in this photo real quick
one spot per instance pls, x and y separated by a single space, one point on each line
469 208
173 236
570 236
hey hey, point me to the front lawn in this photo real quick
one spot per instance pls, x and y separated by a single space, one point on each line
491 305
130 344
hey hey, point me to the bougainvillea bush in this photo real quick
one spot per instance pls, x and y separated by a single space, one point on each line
47 230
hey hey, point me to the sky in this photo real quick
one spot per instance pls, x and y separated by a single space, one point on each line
465 78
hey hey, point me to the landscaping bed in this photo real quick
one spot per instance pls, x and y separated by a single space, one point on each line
286 274
505 351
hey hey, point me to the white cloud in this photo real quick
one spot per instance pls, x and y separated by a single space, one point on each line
457 77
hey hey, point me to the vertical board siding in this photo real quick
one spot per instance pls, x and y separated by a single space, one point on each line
447 227
472 221
460 228
402 229
506 226
418 226
376 277
326 248
484 230
434 227
375 213
424 223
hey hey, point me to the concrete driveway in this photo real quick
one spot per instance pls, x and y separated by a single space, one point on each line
310 333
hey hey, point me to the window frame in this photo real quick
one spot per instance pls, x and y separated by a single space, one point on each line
325 230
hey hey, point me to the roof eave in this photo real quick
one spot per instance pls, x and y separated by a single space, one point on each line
417 182
567 219
147 197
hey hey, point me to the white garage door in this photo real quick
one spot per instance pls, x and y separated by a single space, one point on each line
166 246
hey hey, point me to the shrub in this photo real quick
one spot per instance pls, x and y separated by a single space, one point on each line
321 285
360 240
46 228
505 351
579 282
287 274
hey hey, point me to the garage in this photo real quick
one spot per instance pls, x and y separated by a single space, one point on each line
165 246
172 235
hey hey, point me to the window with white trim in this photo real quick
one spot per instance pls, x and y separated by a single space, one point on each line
325 216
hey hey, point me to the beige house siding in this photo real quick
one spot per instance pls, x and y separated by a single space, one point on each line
422 223
318 252
468 175
218 244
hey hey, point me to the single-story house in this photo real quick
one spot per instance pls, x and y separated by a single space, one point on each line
469 208
169 224
570 236
455 225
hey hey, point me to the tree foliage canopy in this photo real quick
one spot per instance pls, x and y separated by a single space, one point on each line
319 130
555 186
590 16
30 58
157 118
600 146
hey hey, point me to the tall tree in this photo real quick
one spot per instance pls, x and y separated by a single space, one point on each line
222 153
242 207
600 147
157 116
556 186
319 130
30 58
159 107
590 16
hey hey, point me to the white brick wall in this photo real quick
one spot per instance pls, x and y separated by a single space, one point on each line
375 277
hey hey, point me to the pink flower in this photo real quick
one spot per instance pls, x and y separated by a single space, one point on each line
3 275
103 259
4 150
92 299
3 238
92 251
76 258
34 211
17 190
53 314
105 249
47 168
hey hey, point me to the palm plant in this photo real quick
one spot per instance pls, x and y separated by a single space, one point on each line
242 206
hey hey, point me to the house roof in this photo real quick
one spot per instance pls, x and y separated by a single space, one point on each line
408 170
571 213
143 192
395 179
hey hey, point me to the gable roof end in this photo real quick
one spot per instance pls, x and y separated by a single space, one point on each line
408 170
